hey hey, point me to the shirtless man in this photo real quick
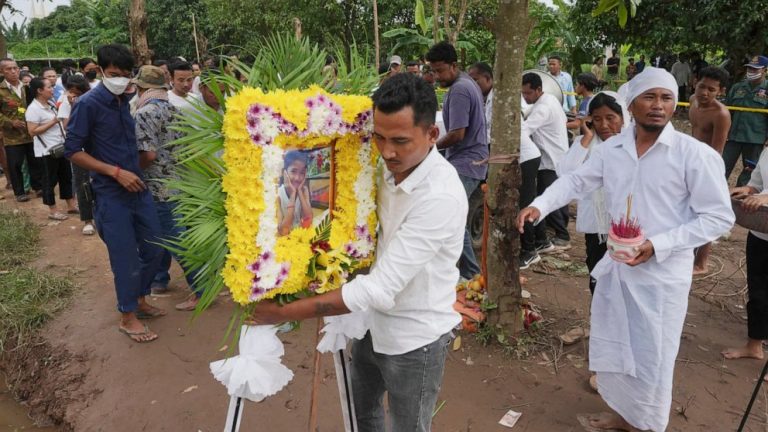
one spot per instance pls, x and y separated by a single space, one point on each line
710 122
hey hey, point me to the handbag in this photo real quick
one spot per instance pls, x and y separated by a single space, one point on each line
56 151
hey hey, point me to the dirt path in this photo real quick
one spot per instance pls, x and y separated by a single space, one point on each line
131 387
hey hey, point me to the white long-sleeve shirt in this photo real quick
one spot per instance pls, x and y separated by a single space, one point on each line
759 181
546 125
410 292
586 216
528 149
681 200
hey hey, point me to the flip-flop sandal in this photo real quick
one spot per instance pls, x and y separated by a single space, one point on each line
153 313
584 422
58 216
134 335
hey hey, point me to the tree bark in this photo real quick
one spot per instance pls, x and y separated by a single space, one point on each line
137 22
376 45
436 21
513 28
3 44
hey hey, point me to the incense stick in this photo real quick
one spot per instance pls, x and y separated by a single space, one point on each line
629 207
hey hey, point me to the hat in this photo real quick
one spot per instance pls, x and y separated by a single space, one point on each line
396 60
758 62
150 77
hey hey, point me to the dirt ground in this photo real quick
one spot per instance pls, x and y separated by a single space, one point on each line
112 384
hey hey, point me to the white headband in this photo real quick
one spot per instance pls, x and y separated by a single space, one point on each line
649 78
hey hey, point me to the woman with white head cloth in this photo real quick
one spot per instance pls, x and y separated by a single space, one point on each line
681 201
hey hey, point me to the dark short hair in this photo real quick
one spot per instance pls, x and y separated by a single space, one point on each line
115 55
182 66
588 80
293 156
412 63
715 73
383 68
85 61
68 63
442 52
555 57
604 100
46 69
159 63
533 80
78 82
484 68
35 85
23 74
407 90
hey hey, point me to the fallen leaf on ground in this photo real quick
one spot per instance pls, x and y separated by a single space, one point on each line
189 389
457 343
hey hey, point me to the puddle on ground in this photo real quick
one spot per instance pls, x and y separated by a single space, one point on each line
13 415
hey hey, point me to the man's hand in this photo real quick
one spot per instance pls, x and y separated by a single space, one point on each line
753 203
528 214
19 124
129 181
741 192
267 312
645 253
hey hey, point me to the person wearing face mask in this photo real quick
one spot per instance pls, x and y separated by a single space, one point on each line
749 130
101 138
90 71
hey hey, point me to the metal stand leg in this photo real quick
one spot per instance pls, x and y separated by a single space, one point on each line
754 396
344 380
234 414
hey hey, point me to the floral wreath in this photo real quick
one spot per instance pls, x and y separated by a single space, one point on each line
259 128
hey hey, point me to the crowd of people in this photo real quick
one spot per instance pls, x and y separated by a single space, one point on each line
101 132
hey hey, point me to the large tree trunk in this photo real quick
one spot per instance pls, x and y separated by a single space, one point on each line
3 45
376 45
137 21
513 27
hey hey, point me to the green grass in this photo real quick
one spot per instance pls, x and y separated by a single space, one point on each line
28 297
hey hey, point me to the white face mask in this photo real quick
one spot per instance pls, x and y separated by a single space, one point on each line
752 76
116 85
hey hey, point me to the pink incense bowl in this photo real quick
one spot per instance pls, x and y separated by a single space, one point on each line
623 249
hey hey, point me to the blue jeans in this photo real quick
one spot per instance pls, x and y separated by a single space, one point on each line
412 382
128 225
170 230
468 263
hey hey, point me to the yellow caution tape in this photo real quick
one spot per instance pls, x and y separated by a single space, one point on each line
734 108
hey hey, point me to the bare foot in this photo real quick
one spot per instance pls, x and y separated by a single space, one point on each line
609 421
698 271
747 351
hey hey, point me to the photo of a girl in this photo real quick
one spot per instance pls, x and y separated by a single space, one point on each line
295 208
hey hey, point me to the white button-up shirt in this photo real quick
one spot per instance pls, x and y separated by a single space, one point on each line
546 125
759 181
678 196
410 292
587 220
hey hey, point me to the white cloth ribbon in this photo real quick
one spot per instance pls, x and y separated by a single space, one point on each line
610 345
339 330
258 371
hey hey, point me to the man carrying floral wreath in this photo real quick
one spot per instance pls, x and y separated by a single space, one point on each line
408 295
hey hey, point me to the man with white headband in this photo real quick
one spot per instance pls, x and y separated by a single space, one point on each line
680 199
